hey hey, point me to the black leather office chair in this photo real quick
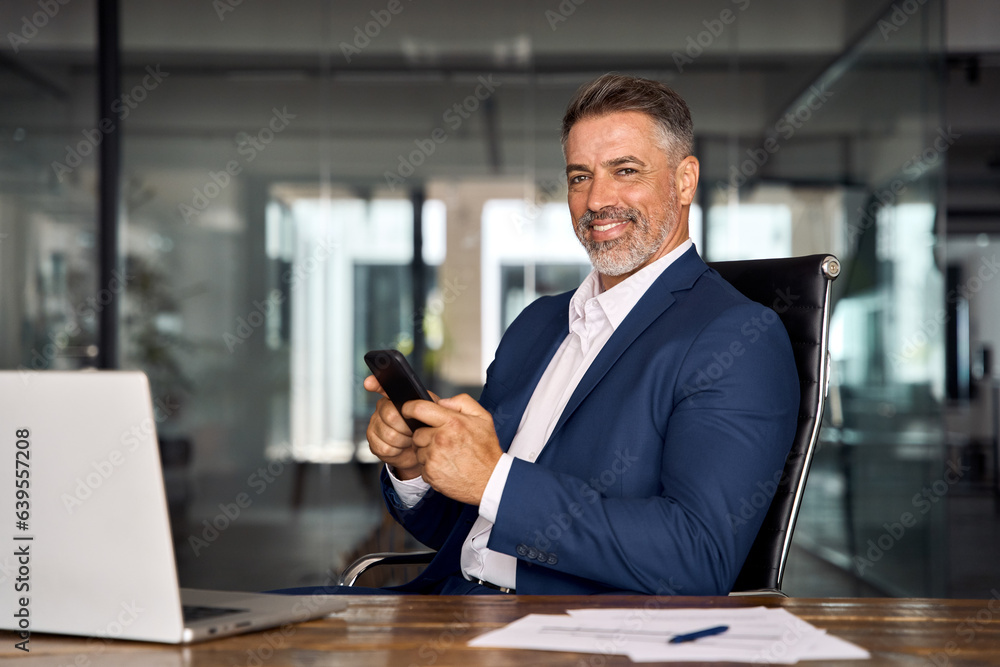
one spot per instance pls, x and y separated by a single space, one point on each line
798 289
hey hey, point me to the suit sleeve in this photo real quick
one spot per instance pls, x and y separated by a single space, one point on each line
432 520
726 434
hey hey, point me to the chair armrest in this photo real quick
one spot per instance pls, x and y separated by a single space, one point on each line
355 569
760 591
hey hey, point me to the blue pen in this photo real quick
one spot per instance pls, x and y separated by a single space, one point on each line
691 636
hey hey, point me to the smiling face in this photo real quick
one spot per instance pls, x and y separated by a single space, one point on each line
628 202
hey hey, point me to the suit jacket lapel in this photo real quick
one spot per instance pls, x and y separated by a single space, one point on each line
658 298
507 417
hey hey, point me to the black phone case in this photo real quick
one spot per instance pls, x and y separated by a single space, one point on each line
398 379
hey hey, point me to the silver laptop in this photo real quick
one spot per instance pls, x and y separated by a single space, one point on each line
86 546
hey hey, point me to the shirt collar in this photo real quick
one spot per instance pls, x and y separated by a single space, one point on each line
618 301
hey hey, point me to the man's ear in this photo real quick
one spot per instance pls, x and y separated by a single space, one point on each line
686 178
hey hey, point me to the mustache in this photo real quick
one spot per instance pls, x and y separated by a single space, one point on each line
589 216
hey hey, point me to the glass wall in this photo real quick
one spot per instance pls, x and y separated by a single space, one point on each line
305 181
49 135
873 503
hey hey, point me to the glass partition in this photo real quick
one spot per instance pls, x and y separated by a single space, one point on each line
873 504
305 181
49 135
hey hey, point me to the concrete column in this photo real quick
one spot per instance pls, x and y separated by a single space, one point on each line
460 276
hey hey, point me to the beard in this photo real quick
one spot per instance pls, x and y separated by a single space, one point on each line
636 246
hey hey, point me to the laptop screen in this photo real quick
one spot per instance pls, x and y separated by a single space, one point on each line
88 547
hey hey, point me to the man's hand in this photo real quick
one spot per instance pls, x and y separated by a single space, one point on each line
389 438
459 448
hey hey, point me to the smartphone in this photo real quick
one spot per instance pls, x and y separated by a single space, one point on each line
398 380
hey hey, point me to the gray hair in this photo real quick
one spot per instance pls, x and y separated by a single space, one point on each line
613 93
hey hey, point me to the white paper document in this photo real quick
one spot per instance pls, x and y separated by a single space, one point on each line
756 635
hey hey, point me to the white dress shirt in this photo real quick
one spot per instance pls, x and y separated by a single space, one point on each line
593 317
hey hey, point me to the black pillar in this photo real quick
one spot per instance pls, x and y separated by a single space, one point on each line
419 280
109 90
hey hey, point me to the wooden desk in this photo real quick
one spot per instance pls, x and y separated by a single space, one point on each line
424 631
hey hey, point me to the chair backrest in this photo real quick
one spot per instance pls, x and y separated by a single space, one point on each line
798 289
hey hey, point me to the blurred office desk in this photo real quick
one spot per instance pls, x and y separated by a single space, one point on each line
416 631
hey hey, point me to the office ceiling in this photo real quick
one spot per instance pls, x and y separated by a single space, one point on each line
362 103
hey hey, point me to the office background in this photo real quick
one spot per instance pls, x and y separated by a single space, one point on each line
291 184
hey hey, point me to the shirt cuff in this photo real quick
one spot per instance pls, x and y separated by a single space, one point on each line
490 503
410 491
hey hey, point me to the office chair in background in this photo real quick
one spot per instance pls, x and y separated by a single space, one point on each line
798 290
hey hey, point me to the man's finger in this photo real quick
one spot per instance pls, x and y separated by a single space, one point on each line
389 435
388 413
465 404
428 412
372 385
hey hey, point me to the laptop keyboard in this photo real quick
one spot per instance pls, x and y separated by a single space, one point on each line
196 613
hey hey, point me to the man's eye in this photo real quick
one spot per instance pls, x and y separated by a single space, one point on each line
576 179
627 171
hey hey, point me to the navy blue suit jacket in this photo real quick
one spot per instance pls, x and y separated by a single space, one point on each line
687 413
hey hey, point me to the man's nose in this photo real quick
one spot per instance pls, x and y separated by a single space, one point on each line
603 193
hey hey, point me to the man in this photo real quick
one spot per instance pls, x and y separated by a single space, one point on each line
620 426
